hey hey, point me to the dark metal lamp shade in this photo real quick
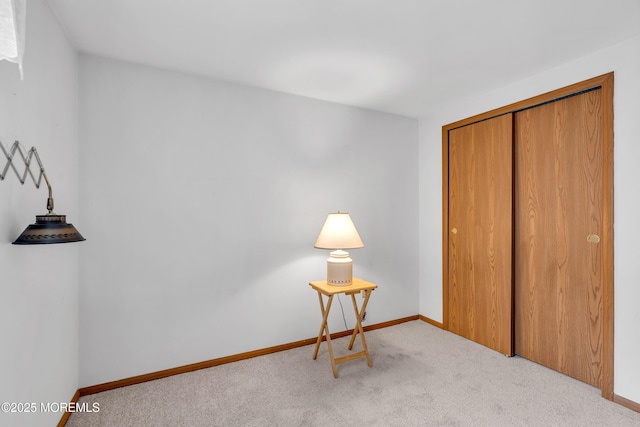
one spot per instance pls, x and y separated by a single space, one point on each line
51 228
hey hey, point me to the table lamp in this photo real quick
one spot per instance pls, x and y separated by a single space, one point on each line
339 233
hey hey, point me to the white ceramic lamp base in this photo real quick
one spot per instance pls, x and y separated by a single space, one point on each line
339 268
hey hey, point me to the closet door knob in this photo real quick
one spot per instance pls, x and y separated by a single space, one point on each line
454 230
593 238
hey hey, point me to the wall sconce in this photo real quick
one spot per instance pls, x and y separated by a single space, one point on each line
51 227
338 233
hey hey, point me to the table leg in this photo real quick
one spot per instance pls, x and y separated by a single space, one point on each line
359 314
358 328
325 315
324 330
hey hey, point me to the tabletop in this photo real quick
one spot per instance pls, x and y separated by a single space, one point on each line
356 286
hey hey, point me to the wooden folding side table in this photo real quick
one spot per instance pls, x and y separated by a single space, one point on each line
356 286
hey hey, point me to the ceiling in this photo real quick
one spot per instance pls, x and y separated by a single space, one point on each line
397 56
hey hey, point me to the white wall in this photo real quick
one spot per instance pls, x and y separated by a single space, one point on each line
624 60
202 202
39 284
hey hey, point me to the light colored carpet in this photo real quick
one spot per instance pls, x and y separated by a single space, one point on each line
421 376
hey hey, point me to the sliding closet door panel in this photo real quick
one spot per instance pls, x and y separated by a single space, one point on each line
558 283
480 235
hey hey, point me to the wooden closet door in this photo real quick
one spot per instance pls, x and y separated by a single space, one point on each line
480 227
558 280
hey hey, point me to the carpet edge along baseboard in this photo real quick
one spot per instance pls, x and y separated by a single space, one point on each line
99 388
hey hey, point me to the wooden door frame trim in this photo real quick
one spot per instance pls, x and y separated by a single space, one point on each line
605 83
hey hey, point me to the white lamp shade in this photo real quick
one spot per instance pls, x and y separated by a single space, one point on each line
338 232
